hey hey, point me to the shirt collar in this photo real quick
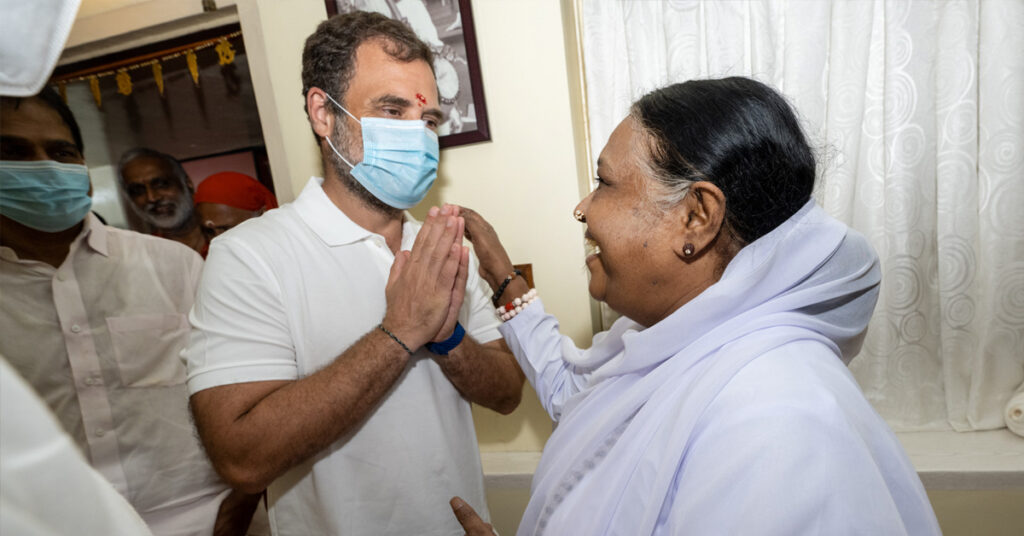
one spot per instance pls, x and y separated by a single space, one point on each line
95 234
328 221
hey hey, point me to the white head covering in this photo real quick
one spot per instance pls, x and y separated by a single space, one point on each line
32 36
811 278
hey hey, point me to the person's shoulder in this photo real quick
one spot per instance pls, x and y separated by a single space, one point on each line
161 248
780 404
173 264
800 381
273 228
277 238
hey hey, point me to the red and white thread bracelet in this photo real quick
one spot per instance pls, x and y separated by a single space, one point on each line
516 306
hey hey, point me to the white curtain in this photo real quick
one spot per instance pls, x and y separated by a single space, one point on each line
917 109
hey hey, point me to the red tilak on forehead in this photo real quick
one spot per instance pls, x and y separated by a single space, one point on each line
421 98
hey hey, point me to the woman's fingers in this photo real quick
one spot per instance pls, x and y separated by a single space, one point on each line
468 518
495 263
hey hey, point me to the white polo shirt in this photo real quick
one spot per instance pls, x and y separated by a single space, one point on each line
282 296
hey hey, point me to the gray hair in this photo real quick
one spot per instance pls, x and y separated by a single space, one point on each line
665 189
145 152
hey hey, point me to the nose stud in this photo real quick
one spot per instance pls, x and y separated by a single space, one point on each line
580 216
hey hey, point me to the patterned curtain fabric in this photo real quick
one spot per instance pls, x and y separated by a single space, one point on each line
917 111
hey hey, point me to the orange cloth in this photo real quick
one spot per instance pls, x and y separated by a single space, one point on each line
234 190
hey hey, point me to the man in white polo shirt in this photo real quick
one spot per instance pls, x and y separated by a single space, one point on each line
337 343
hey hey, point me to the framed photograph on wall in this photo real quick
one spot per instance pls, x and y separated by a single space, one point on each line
447 27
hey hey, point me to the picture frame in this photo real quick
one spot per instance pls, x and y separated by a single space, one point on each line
447 27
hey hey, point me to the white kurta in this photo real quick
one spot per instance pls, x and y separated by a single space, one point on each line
99 339
734 415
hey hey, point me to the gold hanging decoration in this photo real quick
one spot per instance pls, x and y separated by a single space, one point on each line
124 82
94 86
193 65
120 70
62 88
225 51
158 76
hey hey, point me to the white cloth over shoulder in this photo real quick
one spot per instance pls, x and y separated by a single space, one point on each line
734 415
48 488
32 36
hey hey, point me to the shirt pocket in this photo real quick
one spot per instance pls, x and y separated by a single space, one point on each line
147 348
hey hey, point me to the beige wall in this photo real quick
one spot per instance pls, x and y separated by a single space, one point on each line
977 512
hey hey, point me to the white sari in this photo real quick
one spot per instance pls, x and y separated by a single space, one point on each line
632 407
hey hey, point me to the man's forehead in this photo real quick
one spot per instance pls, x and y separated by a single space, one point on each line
146 166
31 118
378 73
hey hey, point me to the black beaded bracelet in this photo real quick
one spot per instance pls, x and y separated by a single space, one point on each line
501 288
392 335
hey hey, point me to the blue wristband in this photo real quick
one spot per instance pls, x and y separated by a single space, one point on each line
449 344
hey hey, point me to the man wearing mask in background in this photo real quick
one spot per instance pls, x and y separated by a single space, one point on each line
160 193
93 318
325 361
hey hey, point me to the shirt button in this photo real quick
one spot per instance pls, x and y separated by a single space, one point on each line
61 277
100 432
75 328
92 381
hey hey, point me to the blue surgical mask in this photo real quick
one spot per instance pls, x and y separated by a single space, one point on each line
399 159
45 195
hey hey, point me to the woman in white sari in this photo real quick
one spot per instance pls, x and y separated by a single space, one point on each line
720 402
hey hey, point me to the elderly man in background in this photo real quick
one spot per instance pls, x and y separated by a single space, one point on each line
225 199
93 318
328 362
160 193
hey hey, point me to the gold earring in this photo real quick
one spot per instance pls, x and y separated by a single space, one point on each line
580 216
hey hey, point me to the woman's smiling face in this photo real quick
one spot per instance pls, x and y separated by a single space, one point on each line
631 240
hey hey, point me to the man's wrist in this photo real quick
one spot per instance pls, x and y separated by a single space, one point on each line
394 338
449 344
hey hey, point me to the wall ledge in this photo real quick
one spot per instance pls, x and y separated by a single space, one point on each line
948 460
509 470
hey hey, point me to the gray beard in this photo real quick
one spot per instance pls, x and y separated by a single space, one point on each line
182 212
342 142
